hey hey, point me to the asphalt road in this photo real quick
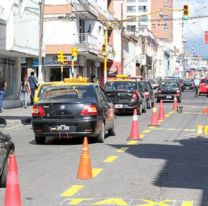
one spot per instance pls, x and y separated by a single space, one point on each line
168 166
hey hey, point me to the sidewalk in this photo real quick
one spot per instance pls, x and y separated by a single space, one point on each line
17 116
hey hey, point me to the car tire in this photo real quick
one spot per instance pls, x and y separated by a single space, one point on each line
40 139
111 132
149 104
4 175
101 136
158 100
179 99
140 109
144 110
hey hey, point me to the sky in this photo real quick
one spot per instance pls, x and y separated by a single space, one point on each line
195 27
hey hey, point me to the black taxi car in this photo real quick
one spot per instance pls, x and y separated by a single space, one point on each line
72 108
6 148
168 90
125 94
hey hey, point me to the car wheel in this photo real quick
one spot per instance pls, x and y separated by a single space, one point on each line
158 100
101 136
140 109
179 99
144 110
111 132
4 175
149 104
40 139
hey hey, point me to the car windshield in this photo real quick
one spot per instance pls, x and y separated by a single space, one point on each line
67 92
169 85
120 86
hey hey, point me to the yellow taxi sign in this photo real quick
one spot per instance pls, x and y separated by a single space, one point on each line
122 76
76 80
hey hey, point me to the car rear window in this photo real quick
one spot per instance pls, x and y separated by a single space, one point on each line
169 85
110 86
67 92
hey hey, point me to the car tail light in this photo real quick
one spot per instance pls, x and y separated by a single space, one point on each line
178 91
135 96
89 110
38 111
159 91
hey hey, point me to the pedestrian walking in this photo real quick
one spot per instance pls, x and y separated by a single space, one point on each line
24 92
3 86
33 85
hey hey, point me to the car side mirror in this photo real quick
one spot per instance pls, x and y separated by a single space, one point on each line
3 122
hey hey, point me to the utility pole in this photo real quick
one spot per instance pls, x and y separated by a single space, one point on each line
40 69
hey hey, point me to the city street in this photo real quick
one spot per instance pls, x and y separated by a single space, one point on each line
167 166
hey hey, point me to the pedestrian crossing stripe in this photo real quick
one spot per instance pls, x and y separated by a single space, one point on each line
123 149
96 171
110 159
112 201
72 190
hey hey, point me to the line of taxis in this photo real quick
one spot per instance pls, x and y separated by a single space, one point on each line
76 108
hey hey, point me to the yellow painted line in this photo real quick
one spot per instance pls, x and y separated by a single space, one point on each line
151 127
167 115
187 203
72 190
77 201
112 201
153 203
110 159
141 136
171 129
146 131
96 171
132 142
123 149
189 130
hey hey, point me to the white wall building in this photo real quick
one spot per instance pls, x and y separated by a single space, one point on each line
19 43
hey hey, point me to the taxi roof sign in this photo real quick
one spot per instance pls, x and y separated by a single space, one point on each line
122 76
76 80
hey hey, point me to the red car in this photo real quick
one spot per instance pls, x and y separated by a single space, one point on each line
203 86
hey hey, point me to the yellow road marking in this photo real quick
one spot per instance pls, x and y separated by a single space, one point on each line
123 149
189 130
153 203
167 115
132 142
146 131
76 201
112 201
187 203
110 159
141 136
96 171
72 190
171 129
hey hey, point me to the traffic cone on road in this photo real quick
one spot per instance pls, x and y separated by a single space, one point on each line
85 170
12 192
154 117
175 103
161 115
134 135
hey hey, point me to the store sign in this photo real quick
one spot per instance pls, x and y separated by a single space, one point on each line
51 61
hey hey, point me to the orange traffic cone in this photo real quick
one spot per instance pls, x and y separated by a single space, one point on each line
161 116
134 135
12 192
154 117
85 170
175 104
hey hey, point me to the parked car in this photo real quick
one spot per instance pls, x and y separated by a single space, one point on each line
125 94
168 90
6 148
148 92
203 87
73 108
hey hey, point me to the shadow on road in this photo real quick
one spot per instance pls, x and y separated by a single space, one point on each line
186 164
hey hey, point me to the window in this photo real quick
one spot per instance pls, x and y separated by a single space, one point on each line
142 0
131 20
143 18
142 8
131 1
166 19
131 28
143 26
131 8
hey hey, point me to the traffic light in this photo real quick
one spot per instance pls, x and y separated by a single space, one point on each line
104 49
74 51
61 57
185 12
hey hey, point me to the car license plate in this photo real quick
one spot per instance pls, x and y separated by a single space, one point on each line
117 106
168 97
62 128
187 87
